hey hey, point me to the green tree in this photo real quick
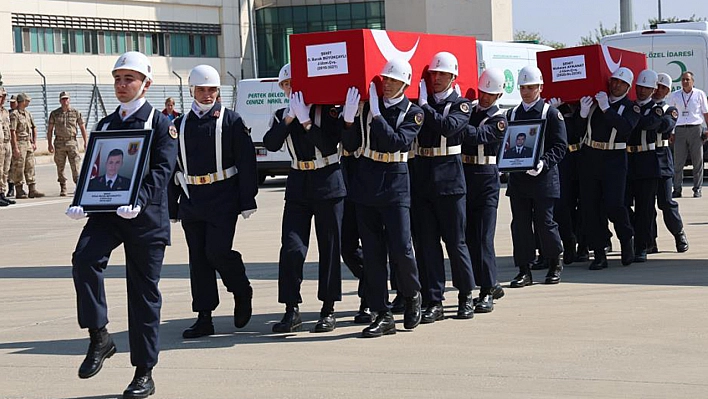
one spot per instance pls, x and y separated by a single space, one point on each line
594 38
692 18
535 37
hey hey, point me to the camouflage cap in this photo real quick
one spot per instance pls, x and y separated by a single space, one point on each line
63 95
13 99
23 97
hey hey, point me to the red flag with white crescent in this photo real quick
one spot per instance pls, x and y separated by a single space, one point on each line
96 165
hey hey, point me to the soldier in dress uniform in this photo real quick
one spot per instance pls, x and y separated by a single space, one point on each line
63 122
5 148
533 194
143 229
438 189
382 135
669 207
482 138
24 144
643 164
606 127
216 180
315 188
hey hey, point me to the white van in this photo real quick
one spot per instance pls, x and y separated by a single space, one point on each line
509 57
256 101
672 48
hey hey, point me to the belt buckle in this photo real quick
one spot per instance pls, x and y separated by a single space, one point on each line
306 165
204 179
426 152
381 156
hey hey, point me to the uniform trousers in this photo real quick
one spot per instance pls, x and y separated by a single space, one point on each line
688 142
604 198
5 162
531 215
210 250
567 210
297 219
63 150
23 166
352 255
383 227
642 192
669 207
142 265
482 204
443 217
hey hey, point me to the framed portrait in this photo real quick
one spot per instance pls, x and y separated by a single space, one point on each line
113 169
522 145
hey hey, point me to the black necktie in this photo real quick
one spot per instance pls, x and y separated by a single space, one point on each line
110 184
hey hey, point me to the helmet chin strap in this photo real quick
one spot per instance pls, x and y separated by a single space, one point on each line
140 92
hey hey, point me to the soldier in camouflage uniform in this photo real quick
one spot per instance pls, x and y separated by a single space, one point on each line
10 174
24 143
5 148
63 122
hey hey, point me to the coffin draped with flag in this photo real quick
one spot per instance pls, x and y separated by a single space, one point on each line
324 65
575 72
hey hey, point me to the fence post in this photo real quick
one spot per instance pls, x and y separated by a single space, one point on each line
44 97
234 88
181 96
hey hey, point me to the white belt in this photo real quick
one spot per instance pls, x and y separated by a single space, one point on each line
601 145
386 157
318 163
476 160
662 143
641 148
439 151
212 177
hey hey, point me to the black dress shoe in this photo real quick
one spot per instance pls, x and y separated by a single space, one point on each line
600 261
398 306
653 248
485 304
10 189
627 248
326 323
540 263
640 255
522 279
582 255
290 322
243 308
363 316
100 349
142 385
465 306
412 314
554 272
201 328
497 291
697 194
681 242
433 313
569 252
3 202
676 194
382 325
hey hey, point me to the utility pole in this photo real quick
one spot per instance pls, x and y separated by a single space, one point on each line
659 16
626 22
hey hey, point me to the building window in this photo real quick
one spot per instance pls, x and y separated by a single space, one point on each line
275 24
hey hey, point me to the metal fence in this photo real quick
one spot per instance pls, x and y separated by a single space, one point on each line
81 97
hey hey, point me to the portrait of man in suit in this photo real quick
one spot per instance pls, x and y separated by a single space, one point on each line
519 150
111 180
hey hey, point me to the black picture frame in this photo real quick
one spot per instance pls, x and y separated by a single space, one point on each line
103 152
510 159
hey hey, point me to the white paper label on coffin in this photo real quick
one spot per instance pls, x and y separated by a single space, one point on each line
327 59
568 68
388 50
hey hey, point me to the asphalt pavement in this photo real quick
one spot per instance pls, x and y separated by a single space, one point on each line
623 332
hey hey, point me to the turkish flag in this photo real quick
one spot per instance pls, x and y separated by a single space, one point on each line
96 165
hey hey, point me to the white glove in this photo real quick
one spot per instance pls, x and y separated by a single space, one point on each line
422 93
373 100
602 101
555 102
585 104
302 110
351 105
75 212
291 111
537 171
457 90
128 212
247 213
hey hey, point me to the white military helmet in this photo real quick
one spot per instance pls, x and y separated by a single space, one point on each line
398 69
204 75
530 75
134 61
624 74
284 73
664 79
647 78
492 81
444 62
